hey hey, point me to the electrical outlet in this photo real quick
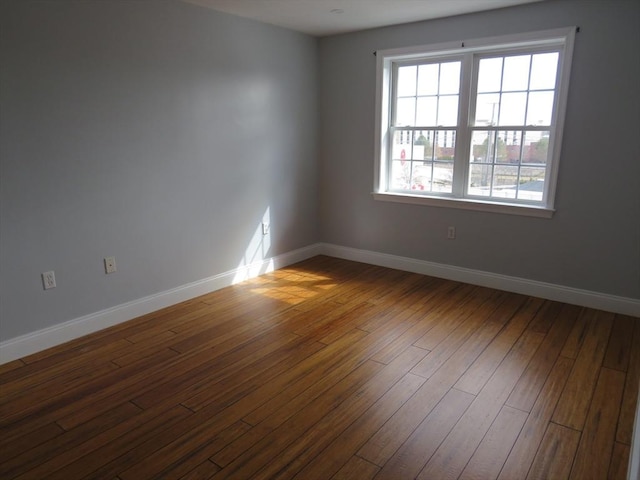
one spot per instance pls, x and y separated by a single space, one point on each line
49 280
265 228
109 264
451 233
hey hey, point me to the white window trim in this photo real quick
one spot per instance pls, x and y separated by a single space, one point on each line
564 37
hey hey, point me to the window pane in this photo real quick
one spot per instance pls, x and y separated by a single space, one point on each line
405 113
503 153
448 111
512 108
505 181
531 185
424 140
487 109
421 180
489 75
513 141
402 146
482 150
449 78
407 81
428 79
535 147
488 147
516 73
442 177
400 175
544 67
427 110
480 179
444 145
418 150
540 108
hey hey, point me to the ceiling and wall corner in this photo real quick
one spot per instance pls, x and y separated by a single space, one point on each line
329 17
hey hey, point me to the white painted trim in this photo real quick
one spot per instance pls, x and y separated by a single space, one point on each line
550 291
48 337
633 472
466 204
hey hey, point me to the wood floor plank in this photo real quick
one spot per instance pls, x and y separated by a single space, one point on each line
341 449
497 308
619 348
600 427
29 441
143 380
476 421
546 317
412 456
9 367
479 373
358 468
488 459
35 375
524 449
336 367
253 376
573 405
274 440
28 397
554 458
448 323
576 337
115 443
382 445
177 469
619 462
526 390
289 462
426 318
211 419
306 373
198 379
35 455
203 471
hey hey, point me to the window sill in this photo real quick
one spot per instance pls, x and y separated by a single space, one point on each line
466 204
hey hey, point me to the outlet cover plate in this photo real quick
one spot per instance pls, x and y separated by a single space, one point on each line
49 280
109 264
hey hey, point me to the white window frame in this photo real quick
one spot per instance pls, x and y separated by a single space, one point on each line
561 39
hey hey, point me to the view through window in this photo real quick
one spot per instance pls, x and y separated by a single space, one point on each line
480 122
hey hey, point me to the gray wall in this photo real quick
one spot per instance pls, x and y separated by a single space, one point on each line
158 132
593 240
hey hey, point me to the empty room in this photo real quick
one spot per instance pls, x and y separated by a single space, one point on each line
319 239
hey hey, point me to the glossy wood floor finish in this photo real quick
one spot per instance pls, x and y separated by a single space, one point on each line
332 369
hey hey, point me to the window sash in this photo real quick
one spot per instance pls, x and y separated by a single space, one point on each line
557 41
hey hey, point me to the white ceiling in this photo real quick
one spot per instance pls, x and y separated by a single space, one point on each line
328 17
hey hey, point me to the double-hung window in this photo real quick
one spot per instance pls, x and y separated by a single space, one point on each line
474 124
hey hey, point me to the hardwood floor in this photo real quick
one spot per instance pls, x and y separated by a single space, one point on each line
331 369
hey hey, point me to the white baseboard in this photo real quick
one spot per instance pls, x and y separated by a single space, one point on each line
36 341
63 332
549 291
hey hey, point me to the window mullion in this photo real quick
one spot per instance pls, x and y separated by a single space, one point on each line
464 131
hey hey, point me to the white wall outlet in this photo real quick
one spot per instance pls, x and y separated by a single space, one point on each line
451 233
49 280
109 264
265 228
